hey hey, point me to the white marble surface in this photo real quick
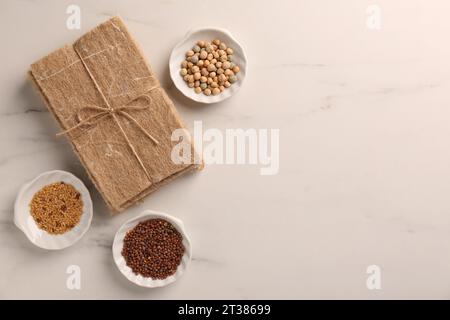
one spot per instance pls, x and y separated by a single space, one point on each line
364 159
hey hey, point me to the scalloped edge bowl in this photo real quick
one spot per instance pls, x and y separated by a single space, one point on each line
178 54
25 222
139 279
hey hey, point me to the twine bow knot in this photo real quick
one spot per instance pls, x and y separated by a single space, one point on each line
109 111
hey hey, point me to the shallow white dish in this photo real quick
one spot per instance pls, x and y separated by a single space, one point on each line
178 55
25 222
138 279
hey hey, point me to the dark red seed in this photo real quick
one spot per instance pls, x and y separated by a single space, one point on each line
153 249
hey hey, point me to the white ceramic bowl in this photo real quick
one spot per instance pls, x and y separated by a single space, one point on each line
25 222
178 55
139 279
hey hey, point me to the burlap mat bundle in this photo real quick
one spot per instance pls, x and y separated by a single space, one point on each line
111 107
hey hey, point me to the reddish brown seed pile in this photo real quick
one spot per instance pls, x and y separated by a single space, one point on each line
153 249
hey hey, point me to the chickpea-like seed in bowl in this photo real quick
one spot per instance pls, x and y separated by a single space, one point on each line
208 67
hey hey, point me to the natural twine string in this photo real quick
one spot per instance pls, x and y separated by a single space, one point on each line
114 112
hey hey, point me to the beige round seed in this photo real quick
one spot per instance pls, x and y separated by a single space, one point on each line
226 65
230 51
222 78
201 43
212 74
216 54
214 84
214 61
209 81
194 58
195 69
190 53
203 79
222 88
223 46
207 92
203 55
227 84
197 84
216 42
186 78
197 76
184 64
212 68
198 90
220 71
210 56
219 64
190 84
232 79
229 72
215 91
205 72
236 69
200 63
190 64
183 72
